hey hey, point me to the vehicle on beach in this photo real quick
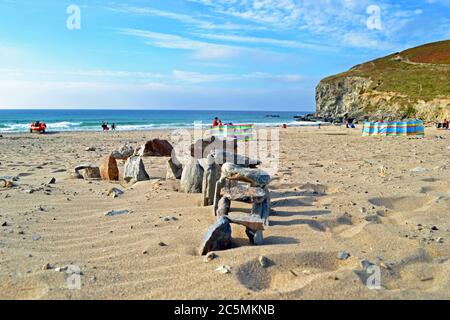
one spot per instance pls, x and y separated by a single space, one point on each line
38 127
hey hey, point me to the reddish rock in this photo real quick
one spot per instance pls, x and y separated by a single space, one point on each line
156 148
109 169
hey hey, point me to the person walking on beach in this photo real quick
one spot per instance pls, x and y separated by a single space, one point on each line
113 127
105 126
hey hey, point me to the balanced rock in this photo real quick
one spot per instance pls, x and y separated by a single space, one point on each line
156 148
89 171
174 170
192 177
256 177
123 153
223 156
109 169
218 237
135 170
251 222
201 148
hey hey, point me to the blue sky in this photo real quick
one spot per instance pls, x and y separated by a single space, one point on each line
198 54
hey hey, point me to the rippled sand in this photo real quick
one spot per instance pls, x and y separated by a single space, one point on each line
376 199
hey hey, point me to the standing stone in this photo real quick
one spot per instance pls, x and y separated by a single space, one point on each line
135 170
210 177
192 177
255 237
156 148
218 237
109 169
224 206
201 147
174 170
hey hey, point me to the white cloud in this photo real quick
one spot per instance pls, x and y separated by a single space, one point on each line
202 50
184 18
258 40
333 21
197 77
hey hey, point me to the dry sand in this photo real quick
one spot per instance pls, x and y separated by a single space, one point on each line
330 195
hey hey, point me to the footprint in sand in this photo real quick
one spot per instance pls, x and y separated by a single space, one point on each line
287 272
403 203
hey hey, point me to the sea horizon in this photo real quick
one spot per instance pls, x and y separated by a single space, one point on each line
19 120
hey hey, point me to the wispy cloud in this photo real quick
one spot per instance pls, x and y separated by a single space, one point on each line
184 18
133 77
342 22
258 40
202 50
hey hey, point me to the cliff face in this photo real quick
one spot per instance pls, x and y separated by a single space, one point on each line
410 84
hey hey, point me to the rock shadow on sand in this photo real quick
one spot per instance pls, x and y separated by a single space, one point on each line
316 226
278 213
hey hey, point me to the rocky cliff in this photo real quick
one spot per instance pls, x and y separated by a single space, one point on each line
411 84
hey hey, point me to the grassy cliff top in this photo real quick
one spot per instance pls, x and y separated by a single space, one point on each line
420 73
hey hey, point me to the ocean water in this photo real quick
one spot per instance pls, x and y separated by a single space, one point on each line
129 120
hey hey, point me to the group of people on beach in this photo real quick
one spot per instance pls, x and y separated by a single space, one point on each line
217 122
105 126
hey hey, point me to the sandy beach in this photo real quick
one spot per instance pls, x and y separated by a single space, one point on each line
336 194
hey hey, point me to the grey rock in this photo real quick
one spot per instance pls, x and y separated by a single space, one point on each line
52 181
221 157
135 170
343 255
36 237
89 171
263 261
116 212
124 152
255 237
224 206
174 169
192 177
218 237
210 177
251 222
256 177
115 192
365 263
